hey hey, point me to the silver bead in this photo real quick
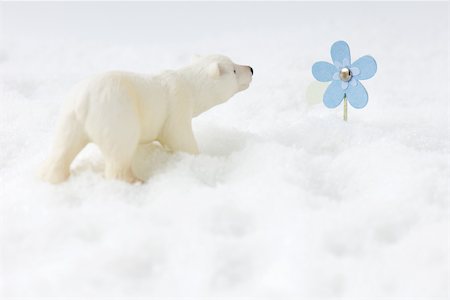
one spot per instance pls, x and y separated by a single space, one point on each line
345 74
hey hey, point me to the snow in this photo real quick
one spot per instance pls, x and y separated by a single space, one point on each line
286 199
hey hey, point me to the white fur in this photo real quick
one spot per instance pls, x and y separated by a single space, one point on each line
118 110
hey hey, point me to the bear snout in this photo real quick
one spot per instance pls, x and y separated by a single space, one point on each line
251 69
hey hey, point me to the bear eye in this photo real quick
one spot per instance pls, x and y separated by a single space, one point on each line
234 71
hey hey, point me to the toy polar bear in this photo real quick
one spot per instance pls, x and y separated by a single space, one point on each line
119 110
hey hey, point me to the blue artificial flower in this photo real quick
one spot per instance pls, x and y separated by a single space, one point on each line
344 76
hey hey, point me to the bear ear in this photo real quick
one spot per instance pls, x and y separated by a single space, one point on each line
214 70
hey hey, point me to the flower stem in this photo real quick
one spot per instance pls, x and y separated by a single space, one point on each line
345 108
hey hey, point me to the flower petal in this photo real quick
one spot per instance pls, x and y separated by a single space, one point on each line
344 85
323 71
355 71
336 76
340 52
367 66
346 62
357 95
333 95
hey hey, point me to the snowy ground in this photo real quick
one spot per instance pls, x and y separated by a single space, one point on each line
286 200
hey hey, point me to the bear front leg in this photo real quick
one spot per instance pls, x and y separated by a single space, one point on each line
178 136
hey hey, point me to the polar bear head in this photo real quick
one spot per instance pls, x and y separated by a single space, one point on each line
220 79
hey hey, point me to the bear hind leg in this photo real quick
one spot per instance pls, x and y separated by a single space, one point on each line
120 171
118 154
70 140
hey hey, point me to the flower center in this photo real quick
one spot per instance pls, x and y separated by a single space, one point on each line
345 74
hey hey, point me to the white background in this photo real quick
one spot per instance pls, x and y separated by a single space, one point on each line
286 200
